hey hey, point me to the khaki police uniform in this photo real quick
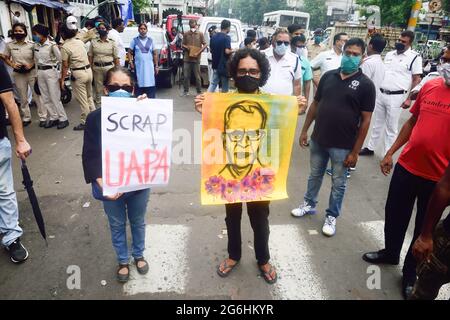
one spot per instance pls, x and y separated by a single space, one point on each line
23 53
46 57
75 54
103 53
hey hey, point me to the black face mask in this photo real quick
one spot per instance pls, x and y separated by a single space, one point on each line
19 36
400 46
247 84
102 33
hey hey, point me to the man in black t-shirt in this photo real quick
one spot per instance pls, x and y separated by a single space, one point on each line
432 248
342 110
9 212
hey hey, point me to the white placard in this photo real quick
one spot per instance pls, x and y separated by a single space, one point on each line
136 143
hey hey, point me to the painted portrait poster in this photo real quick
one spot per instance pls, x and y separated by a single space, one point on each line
247 142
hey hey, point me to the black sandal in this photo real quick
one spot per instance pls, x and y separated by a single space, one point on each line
267 275
224 273
123 277
143 270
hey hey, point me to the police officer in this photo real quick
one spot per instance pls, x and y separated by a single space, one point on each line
403 73
46 57
103 56
20 56
74 56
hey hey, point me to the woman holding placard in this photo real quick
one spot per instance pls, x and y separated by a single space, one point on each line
118 83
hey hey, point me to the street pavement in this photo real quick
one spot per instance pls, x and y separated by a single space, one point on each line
186 241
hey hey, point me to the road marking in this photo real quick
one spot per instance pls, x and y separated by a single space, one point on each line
166 254
292 258
375 230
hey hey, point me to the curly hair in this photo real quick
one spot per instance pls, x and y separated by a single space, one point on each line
260 58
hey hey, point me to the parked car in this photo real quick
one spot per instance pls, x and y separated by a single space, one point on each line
165 76
236 35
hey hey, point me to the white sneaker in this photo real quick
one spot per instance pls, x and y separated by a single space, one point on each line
329 227
304 209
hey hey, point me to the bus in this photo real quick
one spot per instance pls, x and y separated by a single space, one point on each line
284 18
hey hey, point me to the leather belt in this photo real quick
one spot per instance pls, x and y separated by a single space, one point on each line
392 92
81 68
100 64
46 67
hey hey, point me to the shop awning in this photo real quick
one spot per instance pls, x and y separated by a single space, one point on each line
46 3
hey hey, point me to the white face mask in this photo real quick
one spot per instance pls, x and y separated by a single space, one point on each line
281 50
193 29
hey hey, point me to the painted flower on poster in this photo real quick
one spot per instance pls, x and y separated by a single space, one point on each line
256 186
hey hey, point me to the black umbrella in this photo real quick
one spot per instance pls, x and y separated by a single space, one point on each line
28 183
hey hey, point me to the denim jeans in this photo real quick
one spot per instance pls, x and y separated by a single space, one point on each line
318 161
9 211
215 82
133 204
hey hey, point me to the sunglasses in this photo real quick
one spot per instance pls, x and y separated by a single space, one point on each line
286 43
113 87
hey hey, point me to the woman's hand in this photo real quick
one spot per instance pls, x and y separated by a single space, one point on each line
302 104
113 197
199 100
141 97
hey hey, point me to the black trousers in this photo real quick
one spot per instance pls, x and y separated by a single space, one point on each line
404 190
258 213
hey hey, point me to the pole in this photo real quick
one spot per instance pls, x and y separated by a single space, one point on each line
412 23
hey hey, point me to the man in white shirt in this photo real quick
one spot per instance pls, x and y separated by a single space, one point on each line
117 28
403 72
285 68
373 66
331 59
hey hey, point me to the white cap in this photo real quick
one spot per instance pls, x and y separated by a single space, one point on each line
71 23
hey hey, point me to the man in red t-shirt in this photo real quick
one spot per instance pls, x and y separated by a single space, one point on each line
420 166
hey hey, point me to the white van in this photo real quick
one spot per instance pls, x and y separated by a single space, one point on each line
236 35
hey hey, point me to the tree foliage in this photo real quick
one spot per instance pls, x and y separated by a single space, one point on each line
318 12
393 12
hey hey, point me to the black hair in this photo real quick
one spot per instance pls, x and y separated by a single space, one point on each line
248 41
117 69
338 37
117 22
300 38
356 42
409 34
20 25
67 33
263 41
260 58
89 23
41 29
225 24
294 27
212 28
378 42
251 33
142 24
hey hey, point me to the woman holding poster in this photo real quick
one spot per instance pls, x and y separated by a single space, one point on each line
245 123
118 83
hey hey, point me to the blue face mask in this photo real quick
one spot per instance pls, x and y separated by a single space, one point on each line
120 94
317 39
350 64
36 38
281 50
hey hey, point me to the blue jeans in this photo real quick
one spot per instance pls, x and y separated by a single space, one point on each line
135 205
318 161
9 211
215 82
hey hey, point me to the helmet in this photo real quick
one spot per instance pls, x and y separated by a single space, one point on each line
71 23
